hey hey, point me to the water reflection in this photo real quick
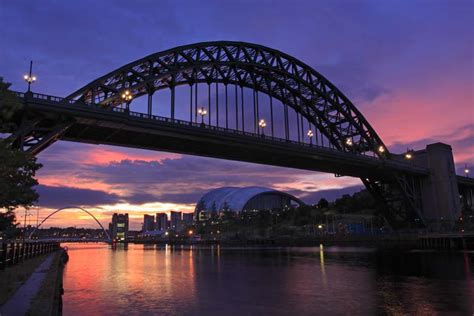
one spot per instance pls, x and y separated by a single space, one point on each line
149 279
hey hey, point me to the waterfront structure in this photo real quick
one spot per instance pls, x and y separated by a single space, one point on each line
234 199
188 218
148 223
413 189
175 219
161 221
119 227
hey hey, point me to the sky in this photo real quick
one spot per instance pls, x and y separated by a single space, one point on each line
408 66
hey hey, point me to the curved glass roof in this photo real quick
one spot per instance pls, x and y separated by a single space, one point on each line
235 197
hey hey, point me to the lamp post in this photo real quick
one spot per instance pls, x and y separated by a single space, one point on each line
262 125
310 135
466 171
127 98
409 154
29 77
202 111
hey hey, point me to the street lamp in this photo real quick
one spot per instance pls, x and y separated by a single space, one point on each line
409 154
202 111
262 125
127 97
30 78
466 171
381 149
310 135
349 141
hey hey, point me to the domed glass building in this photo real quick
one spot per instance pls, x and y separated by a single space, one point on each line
243 199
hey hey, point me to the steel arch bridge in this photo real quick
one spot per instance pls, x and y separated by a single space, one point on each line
322 130
66 208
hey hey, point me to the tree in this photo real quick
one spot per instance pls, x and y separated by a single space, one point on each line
9 107
323 203
17 169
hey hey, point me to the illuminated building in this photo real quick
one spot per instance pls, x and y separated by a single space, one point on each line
119 227
248 199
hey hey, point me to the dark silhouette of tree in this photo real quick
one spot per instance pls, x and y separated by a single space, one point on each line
323 203
17 169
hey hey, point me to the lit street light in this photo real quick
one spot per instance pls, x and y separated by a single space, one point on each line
127 97
310 135
409 154
262 125
349 141
30 78
381 149
202 111
466 171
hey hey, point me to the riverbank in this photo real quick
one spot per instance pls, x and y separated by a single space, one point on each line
12 278
40 292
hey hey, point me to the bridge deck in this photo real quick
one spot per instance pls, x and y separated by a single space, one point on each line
114 126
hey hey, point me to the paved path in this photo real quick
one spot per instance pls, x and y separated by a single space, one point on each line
20 302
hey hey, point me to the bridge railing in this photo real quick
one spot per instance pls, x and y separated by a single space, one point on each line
12 253
354 154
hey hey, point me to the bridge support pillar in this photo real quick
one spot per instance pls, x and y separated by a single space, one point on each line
439 191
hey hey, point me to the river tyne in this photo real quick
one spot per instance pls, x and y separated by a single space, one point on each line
186 280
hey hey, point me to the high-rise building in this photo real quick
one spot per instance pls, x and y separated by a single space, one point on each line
161 221
188 218
148 223
118 229
175 219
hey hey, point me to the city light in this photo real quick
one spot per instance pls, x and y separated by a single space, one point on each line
262 125
167 233
190 232
381 149
202 111
127 96
29 78
320 226
466 171
310 135
349 142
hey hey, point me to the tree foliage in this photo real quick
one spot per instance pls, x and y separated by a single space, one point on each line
17 169
9 106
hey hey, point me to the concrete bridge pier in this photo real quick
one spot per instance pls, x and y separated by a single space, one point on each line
439 191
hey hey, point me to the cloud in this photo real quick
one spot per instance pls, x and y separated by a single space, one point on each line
57 197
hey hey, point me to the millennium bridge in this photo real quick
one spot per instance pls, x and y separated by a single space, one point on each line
246 102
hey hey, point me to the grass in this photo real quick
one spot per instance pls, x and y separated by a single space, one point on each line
14 276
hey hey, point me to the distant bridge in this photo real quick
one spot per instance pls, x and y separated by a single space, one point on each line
311 124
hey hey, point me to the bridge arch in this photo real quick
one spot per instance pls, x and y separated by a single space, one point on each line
253 66
71 207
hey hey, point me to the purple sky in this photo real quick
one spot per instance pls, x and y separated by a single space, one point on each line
407 65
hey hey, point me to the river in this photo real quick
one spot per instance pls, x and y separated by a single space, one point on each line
166 280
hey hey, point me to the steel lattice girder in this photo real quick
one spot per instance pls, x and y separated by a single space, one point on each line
248 65
274 73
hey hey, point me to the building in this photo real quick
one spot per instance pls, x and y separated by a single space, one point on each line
175 220
119 227
161 221
148 223
188 218
240 200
